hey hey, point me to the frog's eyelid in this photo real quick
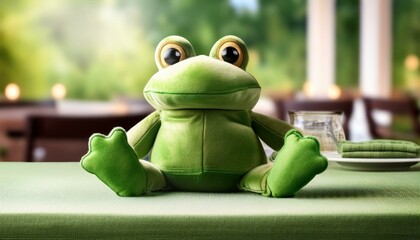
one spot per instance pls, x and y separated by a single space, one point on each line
180 44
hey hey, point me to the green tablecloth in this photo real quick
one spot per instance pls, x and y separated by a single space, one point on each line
60 200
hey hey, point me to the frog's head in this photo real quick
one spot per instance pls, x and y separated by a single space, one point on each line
186 81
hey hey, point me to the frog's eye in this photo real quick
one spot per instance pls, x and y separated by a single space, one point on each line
231 49
172 50
230 52
171 54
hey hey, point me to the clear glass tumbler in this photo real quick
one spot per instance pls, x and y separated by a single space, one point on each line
325 126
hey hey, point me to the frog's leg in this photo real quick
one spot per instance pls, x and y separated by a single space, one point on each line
296 164
155 179
115 163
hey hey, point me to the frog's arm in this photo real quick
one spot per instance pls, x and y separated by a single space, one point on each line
142 135
270 130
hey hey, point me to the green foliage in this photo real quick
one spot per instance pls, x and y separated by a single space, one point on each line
92 47
102 48
406 35
21 59
347 44
275 33
99 49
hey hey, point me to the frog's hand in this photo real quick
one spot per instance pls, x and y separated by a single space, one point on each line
296 164
142 136
270 130
115 163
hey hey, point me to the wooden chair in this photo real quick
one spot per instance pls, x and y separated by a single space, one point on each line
400 109
340 105
65 138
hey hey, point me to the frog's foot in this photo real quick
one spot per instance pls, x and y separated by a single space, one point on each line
296 164
115 163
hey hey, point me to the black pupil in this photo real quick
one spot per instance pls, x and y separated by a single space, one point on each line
230 54
172 56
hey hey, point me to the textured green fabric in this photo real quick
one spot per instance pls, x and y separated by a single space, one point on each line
60 200
203 136
155 179
202 82
379 148
206 140
142 135
115 163
270 130
196 162
297 163
256 179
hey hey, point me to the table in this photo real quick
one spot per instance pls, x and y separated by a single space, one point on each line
13 127
13 122
60 200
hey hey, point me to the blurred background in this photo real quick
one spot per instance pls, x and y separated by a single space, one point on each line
102 50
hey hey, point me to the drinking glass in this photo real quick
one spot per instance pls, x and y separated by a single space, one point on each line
325 126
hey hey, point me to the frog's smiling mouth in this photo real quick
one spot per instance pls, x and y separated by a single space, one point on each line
202 82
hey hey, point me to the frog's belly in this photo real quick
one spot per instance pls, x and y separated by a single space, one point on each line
206 148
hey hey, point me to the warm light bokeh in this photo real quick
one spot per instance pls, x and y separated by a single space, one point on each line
334 91
311 91
307 89
58 91
412 62
12 91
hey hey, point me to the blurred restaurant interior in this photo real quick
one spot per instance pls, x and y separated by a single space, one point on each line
70 68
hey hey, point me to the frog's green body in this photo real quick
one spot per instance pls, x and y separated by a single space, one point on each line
200 114
203 135
203 151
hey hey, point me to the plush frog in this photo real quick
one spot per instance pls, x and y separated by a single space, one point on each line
204 135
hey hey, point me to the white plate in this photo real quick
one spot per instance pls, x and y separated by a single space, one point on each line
373 164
